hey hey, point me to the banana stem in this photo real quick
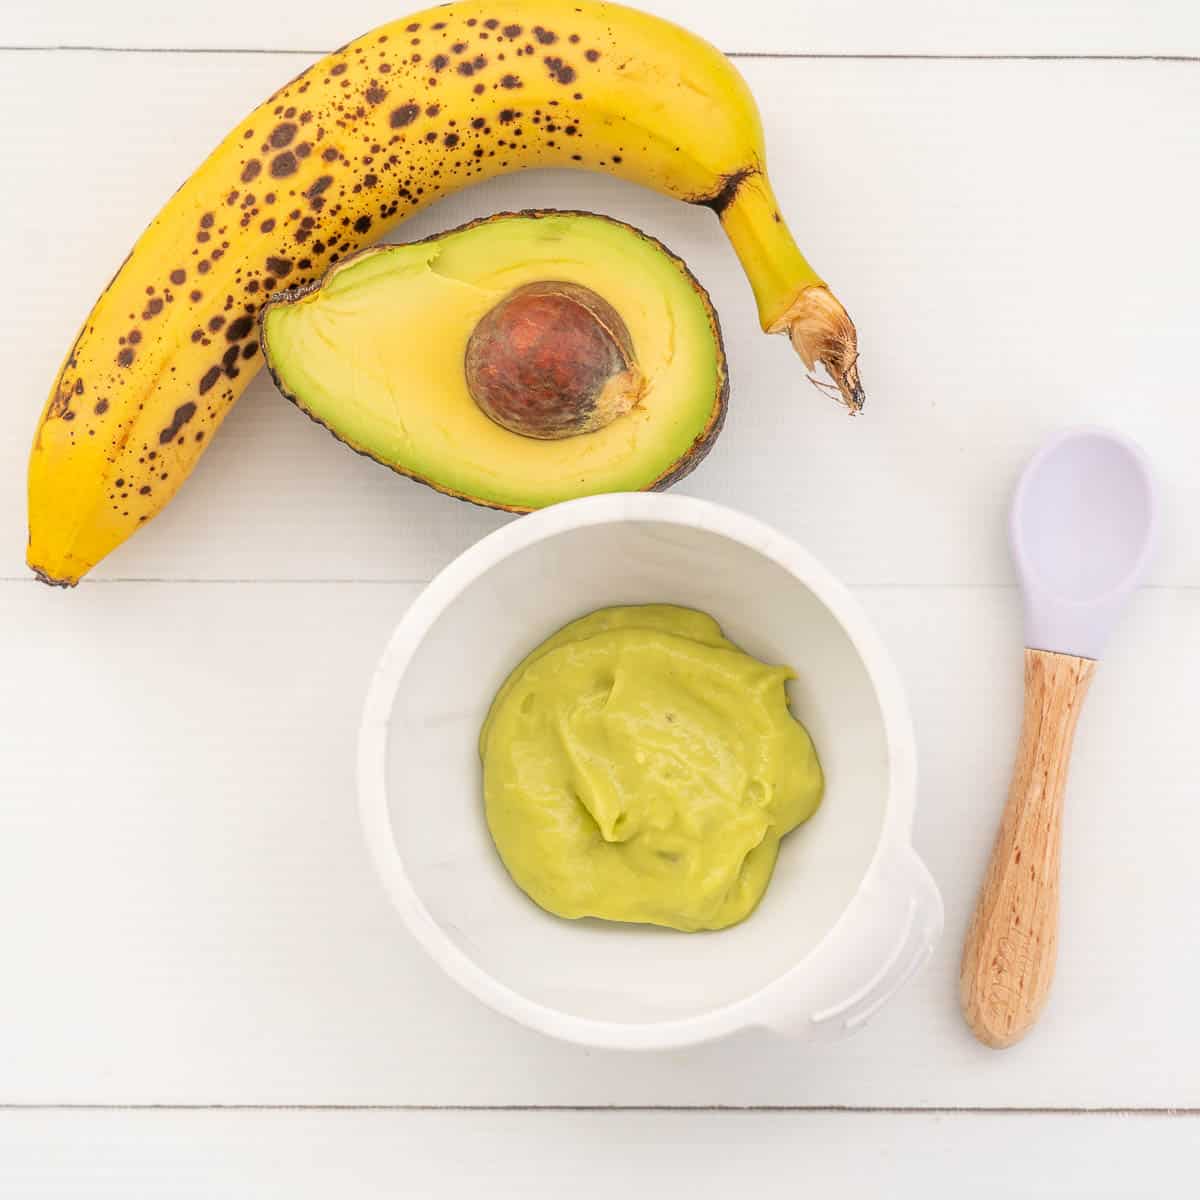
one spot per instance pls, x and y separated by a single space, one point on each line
822 332
792 297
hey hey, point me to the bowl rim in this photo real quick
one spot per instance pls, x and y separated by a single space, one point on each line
468 568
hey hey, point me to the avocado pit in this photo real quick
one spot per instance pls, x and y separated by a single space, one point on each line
553 360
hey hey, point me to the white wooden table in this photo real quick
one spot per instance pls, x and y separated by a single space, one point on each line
203 991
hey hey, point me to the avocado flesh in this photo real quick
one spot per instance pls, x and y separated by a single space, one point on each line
376 352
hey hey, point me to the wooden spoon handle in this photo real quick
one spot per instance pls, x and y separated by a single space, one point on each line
1008 958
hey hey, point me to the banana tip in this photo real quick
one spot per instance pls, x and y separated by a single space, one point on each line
51 580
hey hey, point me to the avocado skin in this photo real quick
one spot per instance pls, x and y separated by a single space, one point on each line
680 469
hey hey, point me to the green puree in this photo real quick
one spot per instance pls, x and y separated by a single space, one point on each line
638 766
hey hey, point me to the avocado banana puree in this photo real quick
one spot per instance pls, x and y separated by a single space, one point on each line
638 766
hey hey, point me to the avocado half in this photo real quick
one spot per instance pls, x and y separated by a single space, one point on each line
375 352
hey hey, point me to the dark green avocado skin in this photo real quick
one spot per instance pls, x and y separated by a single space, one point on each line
679 470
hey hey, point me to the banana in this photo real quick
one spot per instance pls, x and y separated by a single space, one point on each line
365 137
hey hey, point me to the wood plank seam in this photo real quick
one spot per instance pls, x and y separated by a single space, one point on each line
735 54
915 1111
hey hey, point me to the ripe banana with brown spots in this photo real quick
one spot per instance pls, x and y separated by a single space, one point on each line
368 135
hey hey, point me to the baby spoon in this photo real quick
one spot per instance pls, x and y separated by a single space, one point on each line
1080 527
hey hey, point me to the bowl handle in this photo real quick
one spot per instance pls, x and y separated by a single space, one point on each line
884 938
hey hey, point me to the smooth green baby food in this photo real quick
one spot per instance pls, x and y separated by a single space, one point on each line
638 766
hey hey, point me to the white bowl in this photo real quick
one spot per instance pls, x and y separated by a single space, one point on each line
851 912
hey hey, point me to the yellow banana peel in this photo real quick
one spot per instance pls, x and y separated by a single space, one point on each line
365 137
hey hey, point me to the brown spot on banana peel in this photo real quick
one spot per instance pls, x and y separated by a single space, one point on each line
183 414
722 198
